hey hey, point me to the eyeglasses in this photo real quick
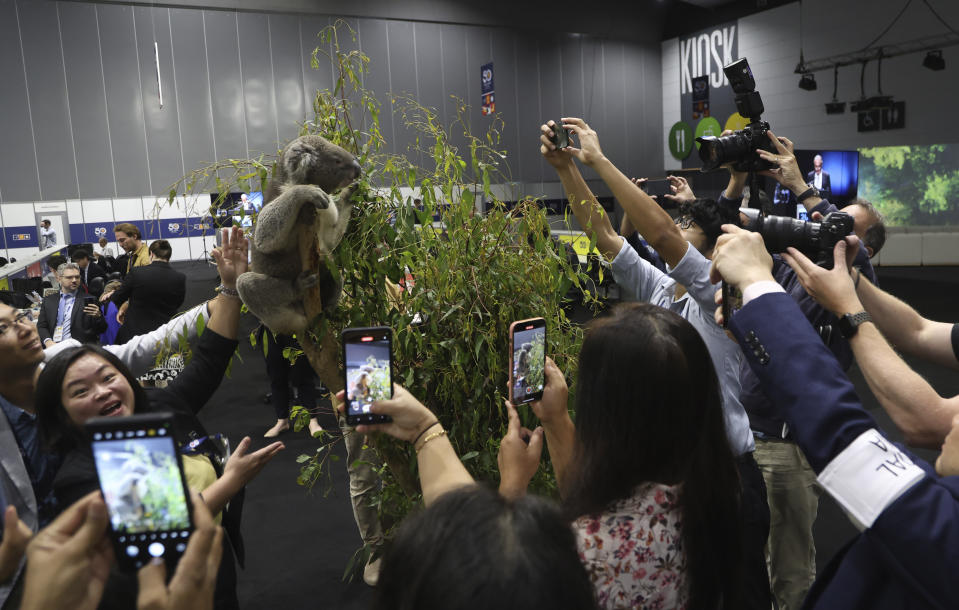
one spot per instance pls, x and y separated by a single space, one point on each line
684 222
24 318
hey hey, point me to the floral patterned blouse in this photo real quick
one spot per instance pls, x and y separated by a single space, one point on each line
633 552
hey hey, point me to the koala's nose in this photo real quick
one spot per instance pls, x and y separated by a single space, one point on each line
357 168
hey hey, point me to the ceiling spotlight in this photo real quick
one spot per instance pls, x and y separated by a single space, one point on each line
807 82
835 107
879 102
934 60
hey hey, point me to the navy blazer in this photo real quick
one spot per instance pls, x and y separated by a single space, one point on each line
907 558
83 328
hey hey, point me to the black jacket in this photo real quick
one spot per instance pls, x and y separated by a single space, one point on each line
155 291
83 328
92 271
184 397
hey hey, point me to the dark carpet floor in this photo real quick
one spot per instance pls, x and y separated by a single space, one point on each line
298 543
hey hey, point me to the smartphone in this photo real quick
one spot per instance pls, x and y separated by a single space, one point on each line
141 477
732 302
368 366
658 188
560 137
527 362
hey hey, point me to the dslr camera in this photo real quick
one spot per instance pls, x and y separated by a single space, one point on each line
814 239
739 147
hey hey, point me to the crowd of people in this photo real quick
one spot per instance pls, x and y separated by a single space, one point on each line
688 476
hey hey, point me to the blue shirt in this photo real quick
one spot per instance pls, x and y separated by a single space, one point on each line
41 465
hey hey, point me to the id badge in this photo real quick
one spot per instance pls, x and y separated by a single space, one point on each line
58 334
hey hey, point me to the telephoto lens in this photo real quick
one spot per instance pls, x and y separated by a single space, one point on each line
814 239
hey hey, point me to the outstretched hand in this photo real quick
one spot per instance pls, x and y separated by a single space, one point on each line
69 560
231 255
680 190
589 152
519 455
243 466
740 258
833 289
786 171
557 157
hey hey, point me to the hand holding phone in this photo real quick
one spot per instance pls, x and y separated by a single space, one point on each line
141 477
368 369
527 339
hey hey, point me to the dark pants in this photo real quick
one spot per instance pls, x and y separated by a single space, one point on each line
282 373
755 532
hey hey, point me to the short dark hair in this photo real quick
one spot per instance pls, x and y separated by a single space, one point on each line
128 228
709 215
648 400
161 249
473 548
55 261
80 255
875 236
57 430
45 221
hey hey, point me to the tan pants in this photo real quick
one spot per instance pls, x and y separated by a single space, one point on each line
793 496
363 481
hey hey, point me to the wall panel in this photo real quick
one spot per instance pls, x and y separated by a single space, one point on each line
257 73
226 91
43 64
286 55
18 172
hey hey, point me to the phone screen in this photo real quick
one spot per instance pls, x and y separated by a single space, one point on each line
142 481
528 349
732 302
367 360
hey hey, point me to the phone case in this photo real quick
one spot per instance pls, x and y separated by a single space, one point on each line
519 324
354 336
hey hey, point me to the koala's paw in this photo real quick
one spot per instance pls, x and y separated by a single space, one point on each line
307 280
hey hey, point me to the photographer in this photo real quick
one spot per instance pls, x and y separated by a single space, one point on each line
908 512
685 246
793 495
916 408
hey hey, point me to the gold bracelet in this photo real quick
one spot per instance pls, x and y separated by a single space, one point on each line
429 437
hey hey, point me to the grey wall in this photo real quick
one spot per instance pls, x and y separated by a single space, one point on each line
81 117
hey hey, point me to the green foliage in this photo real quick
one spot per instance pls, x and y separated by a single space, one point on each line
463 279
912 185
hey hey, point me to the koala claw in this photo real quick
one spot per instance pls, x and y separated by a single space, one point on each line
306 280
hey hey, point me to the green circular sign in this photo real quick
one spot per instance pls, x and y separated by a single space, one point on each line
708 127
680 140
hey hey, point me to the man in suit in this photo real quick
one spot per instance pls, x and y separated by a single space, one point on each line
65 314
89 270
819 178
149 295
906 510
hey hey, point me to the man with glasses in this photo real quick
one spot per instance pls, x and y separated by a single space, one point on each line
686 246
70 312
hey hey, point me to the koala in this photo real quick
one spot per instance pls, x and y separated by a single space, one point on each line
307 171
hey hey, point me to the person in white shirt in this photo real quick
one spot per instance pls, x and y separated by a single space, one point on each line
48 237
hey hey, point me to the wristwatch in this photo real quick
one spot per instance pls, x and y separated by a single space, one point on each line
810 192
849 323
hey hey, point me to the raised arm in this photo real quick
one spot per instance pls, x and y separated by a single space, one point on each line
924 417
440 468
586 208
909 515
905 328
651 220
